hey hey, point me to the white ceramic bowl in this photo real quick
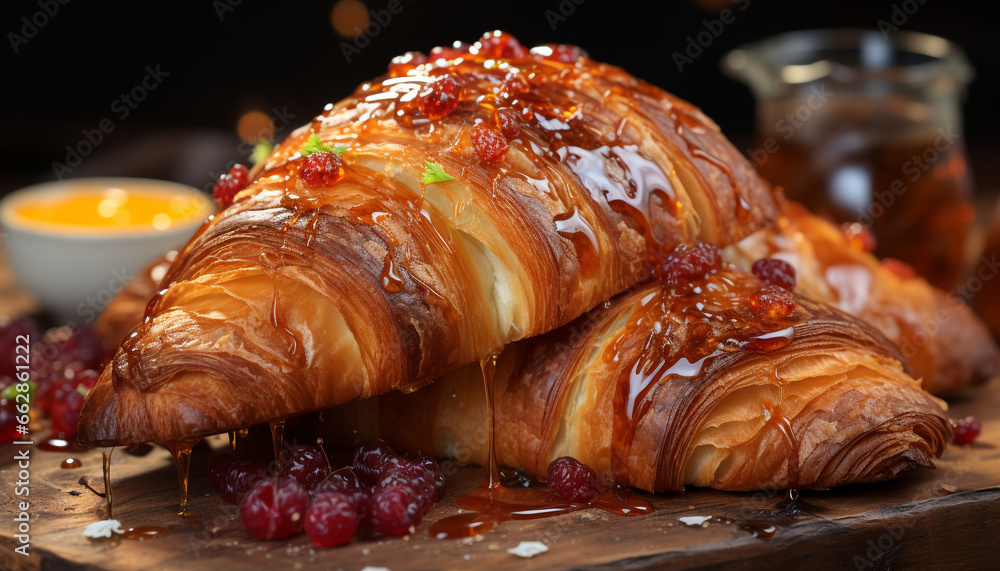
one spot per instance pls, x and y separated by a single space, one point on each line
74 271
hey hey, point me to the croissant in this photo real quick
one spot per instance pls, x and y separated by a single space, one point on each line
464 201
945 342
719 382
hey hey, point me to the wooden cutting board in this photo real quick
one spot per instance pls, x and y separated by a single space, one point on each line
948 516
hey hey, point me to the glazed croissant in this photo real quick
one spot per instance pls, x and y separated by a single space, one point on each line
706 383
464 201
946 344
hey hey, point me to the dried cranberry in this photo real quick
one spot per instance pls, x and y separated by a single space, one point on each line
775 272
274 508
238 477
396 509
690 263
508 122
899 268
441 97
565 53
331 519
573 481
230 184
499 44
321 169
346 482
966 429
489 142
371 459
859 237
772 302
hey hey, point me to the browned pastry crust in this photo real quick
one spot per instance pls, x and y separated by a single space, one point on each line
833 406
126 310
948 347
297 297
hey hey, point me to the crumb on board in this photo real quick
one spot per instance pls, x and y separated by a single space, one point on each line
528 549
103 528
696 520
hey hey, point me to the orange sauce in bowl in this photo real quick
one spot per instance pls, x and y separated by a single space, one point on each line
103 209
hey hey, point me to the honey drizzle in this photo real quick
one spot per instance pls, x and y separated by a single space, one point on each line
107 480
182 461
232 442
489 506
488 367
277 433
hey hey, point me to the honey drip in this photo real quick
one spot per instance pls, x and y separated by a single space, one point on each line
144 532
489 366
489 506
182 461
232 442
107 480
277 433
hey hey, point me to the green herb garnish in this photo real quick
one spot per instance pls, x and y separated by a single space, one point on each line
313 145
434 173
261 151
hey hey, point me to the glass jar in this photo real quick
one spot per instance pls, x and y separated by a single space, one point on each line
864 127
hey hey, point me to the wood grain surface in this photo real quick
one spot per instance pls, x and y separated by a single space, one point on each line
948 517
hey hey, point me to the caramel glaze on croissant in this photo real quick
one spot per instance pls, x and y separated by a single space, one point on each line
302 295
665 387
948 347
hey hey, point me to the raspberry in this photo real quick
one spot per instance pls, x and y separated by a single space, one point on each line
573 481
414 476
437 476
238 477
489 142
331 519
274 508
344 481
690 263
441 97
772 302
321 169
499 44
218 468
371 459
306 464
775 272
230 184
966 429
396 509
508 122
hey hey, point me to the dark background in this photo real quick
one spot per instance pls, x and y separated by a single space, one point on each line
223 61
